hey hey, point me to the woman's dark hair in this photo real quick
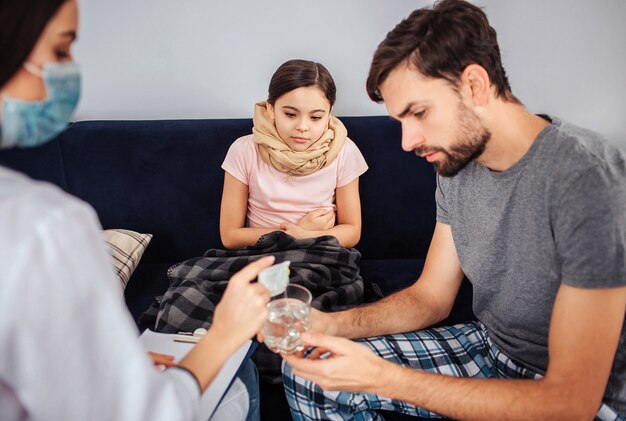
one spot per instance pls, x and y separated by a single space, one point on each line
441 42
21 24
294 74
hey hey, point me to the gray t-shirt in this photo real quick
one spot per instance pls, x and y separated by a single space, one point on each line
557 216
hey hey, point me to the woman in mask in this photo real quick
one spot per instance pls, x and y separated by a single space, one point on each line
68 346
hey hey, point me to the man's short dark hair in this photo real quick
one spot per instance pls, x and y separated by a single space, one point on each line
441 42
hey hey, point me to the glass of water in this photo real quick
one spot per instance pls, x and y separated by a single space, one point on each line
288 316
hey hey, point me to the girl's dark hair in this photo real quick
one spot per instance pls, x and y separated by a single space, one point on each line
441 42
294 74
21 24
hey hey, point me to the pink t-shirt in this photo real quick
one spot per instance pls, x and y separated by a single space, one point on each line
274 197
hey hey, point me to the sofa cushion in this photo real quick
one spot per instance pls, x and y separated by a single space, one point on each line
162 177
391 275
397 192
43 162
126 249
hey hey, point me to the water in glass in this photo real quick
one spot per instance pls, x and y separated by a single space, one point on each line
287 318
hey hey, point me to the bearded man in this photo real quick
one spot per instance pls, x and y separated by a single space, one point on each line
530 208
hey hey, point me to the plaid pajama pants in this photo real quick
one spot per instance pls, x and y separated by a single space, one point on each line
463 350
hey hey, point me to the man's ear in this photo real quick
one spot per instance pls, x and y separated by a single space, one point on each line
477 81
270 110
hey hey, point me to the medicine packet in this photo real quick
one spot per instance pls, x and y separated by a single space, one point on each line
275 278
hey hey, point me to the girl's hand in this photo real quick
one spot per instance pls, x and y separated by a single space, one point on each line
243 307
318 220
297 231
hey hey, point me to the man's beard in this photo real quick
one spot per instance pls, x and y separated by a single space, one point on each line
471 140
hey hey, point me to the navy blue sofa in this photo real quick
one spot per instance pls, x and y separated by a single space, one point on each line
164 177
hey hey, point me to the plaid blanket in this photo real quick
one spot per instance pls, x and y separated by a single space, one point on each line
327 269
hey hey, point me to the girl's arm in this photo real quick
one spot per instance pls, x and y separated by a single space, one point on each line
348 228
233 230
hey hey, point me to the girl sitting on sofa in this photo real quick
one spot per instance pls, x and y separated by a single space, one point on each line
284 186
298 171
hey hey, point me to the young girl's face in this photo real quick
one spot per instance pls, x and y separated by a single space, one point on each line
301 116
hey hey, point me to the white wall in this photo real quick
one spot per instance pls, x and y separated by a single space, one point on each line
156 59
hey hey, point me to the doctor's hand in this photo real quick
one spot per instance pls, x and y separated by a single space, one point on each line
165 360
350 367
243 307
318 220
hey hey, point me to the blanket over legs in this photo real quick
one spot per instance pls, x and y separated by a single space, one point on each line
322 265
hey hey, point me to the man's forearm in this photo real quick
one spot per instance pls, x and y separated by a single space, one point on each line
467 398
411 312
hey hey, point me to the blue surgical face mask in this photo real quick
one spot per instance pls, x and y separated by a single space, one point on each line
32 123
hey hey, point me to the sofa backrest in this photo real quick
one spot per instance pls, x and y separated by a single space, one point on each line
164 177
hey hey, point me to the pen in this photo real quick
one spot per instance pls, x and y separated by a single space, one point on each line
187 338
190 337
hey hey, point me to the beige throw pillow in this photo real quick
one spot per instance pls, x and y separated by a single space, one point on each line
126 247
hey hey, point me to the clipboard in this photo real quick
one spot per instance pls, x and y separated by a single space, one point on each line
164 343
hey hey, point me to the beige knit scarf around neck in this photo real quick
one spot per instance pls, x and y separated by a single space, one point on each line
278 154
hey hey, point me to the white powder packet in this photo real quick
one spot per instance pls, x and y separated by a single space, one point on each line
275 278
